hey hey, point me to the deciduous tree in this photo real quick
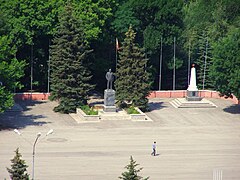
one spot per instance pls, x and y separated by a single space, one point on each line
225 68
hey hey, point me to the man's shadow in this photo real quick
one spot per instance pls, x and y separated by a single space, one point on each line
158 154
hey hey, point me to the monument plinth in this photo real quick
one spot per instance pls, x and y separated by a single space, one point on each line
192 91
109 100
109 94
192 99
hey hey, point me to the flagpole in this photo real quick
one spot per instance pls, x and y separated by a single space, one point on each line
48 85
116 59
160 68
189 61
174 64
116 53
31 84
205 65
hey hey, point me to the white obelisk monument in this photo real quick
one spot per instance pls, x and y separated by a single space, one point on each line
192 91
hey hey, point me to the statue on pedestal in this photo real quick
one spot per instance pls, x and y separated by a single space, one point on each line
109 94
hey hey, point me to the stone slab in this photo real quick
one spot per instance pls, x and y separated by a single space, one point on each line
109 108
193 96
109 97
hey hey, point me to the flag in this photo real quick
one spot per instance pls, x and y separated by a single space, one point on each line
117 44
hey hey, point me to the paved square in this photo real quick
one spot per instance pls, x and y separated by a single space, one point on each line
192 143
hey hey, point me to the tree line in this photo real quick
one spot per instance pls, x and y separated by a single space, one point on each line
206 33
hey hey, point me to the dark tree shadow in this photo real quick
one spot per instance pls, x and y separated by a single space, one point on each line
27 105
233 109
155 105
100 102
18 119
95 95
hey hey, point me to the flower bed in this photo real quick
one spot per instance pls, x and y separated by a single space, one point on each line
138 116
86 117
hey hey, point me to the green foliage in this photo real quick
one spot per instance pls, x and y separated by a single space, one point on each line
6 99
132 110
132 172
133 80
204 62
161 19
93 15
35 22
26 24
89 111
152 20
29 19
178 63
18 169
124 17
11 70
207 22
225 68
156 19
70 74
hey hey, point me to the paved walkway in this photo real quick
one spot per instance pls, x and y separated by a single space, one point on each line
192 143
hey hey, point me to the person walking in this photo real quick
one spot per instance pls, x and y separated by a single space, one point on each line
154 149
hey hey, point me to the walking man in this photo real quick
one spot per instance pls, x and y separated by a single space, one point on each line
154 149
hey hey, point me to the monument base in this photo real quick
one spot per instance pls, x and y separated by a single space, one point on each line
109 108
109 97
193 96
109 101
184 103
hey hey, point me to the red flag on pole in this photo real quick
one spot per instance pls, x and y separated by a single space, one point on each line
117 44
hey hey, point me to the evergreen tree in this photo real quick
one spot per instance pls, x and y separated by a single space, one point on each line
70 76
18 168
133 80
204 62
132 172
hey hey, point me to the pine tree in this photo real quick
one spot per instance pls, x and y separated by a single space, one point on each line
132 173
18 168
204 54
70 76
133 80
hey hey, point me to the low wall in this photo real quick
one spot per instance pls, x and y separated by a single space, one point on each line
183 93
31 96
138 117
83 116
153 94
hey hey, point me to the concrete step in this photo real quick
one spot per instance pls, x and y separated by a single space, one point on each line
183 103
120 115
174 104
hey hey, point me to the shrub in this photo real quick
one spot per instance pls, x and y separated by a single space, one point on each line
132 110
89 110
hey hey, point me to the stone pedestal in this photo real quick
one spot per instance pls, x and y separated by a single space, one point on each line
109 101
193 96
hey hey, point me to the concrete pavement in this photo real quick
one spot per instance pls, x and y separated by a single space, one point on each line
191 143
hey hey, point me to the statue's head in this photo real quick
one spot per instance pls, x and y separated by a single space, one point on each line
110 70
